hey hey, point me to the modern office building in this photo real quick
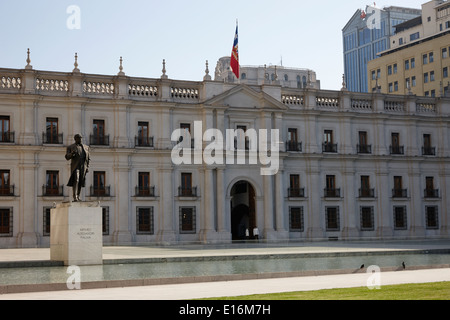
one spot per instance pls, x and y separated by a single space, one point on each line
366 35
418 61
258 75
350 165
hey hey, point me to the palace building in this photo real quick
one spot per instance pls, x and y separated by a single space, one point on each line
351 165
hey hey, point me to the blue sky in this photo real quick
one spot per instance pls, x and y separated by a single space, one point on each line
306 34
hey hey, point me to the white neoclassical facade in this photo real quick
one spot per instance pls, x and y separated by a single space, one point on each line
351 165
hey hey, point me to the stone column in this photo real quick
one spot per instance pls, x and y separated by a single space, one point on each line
27 235
166 231
122 191
221 195
269 232
208 230
315 210
350 214
280 210
384 219
416 193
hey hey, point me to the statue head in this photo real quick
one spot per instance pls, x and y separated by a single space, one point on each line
78 138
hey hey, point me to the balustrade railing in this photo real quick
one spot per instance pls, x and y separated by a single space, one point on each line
52 85
10 83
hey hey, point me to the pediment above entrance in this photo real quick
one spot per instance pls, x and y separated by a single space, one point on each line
244 97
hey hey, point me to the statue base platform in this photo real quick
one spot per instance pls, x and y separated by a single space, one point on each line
76 233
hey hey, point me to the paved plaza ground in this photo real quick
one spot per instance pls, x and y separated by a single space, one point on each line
229 285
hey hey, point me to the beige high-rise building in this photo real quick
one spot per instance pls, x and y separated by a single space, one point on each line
419 59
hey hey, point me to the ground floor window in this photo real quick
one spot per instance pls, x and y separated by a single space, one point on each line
400 222
332 218
105 221
46 222
367 219
6 222
431 216
144 220
296 219
187 220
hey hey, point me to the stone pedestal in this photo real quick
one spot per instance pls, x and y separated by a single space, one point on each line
76 233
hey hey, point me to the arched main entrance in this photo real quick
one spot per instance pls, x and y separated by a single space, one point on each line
243 210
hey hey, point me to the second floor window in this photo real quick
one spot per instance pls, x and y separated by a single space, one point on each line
395 144
363 146
99 187
52 183
292 143
143 139
295 190
98 136
51 135
328 142
186 189
5 132
5 187
143 189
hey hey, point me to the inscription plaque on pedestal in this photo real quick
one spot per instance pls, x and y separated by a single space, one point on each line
76 233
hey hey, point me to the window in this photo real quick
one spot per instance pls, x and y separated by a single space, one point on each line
432 76
396 86
331 191
430 191
373 75
445 72
46 222
427 149
292 143
413 81
425 59
432 217
98 136
5 184
105 221
413 63
6 225
391 87
389 70
332 218
294 186
425 77
328 145
296 219
395 68
186 135
444 53
51 187
241 142
5 134
99 188
431 57
398 191
363 146
143 139
187 220
186 189
365 190
144 220
395 144
414 36
367 219
51 135
400 222
407 65
143 189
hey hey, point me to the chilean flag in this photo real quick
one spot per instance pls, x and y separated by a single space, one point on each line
234 63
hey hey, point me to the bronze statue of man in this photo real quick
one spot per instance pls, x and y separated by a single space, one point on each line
78 153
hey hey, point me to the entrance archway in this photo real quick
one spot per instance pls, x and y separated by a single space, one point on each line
243 210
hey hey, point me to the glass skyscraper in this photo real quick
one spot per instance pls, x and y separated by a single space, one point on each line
365 35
